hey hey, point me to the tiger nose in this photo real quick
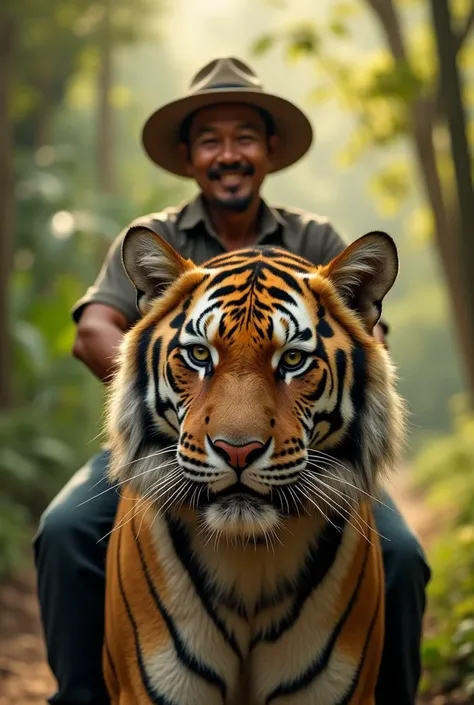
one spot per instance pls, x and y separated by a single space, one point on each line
239 457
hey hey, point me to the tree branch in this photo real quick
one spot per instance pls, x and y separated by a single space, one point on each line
463 33
387 15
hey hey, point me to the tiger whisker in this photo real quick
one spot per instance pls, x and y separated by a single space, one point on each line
182 495
254 540
300 490
157 495
142 499
330 460
162 510
282 494
152 490
145 500
170 499
266 537
141 523
349 484
346 512
95 438
191 502
297 499
169 449
137 510
341 512
213 534
162 451
315 478
274 529
203 527
128 479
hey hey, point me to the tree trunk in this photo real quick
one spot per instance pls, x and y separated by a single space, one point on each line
105 123
447 235
450 85
447 240
7 40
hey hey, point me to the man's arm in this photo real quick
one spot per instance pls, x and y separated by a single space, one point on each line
98 335
107 309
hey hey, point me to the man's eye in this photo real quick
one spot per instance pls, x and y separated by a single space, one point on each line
199 354
292 359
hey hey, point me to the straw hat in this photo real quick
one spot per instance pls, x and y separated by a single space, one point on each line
226 80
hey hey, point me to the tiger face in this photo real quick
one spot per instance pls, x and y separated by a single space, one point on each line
262 370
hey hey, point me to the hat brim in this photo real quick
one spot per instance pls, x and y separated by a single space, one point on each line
160 134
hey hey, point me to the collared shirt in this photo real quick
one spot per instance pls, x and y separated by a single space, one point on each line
189 230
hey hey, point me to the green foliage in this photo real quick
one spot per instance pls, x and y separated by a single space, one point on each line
56 40
445 470
63 228
33 462
417 331
15 539
375 87
63 233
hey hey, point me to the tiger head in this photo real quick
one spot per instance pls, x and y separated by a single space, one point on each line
258 371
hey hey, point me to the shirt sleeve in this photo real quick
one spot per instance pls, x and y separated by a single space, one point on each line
112 287
323 242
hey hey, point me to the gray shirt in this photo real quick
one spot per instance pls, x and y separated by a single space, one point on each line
188 229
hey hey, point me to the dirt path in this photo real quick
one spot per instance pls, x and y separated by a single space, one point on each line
25 678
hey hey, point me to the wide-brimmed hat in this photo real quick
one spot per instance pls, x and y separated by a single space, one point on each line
225 80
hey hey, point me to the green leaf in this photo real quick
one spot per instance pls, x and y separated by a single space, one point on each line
303 41
338 28
263 44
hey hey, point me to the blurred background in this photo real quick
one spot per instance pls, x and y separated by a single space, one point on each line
389 87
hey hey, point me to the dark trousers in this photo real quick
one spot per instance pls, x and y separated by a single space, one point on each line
70 561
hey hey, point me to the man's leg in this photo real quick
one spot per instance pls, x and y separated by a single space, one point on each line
406 575
70 562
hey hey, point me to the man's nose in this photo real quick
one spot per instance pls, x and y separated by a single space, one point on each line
229 153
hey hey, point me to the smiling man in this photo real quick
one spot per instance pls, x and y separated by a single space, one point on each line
226 134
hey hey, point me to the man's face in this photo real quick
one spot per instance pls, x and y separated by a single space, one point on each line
229 154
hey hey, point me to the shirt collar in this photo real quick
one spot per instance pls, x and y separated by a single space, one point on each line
195 212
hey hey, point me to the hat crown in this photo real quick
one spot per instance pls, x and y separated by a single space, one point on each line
225 80
227 72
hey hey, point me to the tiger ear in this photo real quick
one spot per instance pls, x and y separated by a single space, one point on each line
364 273
151 264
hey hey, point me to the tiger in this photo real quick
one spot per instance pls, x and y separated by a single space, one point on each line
251 420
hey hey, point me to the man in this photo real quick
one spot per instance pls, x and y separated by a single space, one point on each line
227 134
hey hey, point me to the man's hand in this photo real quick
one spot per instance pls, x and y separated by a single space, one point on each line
99 332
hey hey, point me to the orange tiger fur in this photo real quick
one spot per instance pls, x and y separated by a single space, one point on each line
244 568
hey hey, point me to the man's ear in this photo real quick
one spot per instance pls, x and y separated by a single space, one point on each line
364 273
272 143
184 155
151 264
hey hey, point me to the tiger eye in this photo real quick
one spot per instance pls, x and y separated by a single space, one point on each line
292 358
200 353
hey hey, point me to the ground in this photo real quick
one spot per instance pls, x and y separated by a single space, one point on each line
25 678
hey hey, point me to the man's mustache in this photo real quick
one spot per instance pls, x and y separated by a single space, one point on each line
215 172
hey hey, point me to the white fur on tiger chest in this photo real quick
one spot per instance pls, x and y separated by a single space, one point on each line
248 575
